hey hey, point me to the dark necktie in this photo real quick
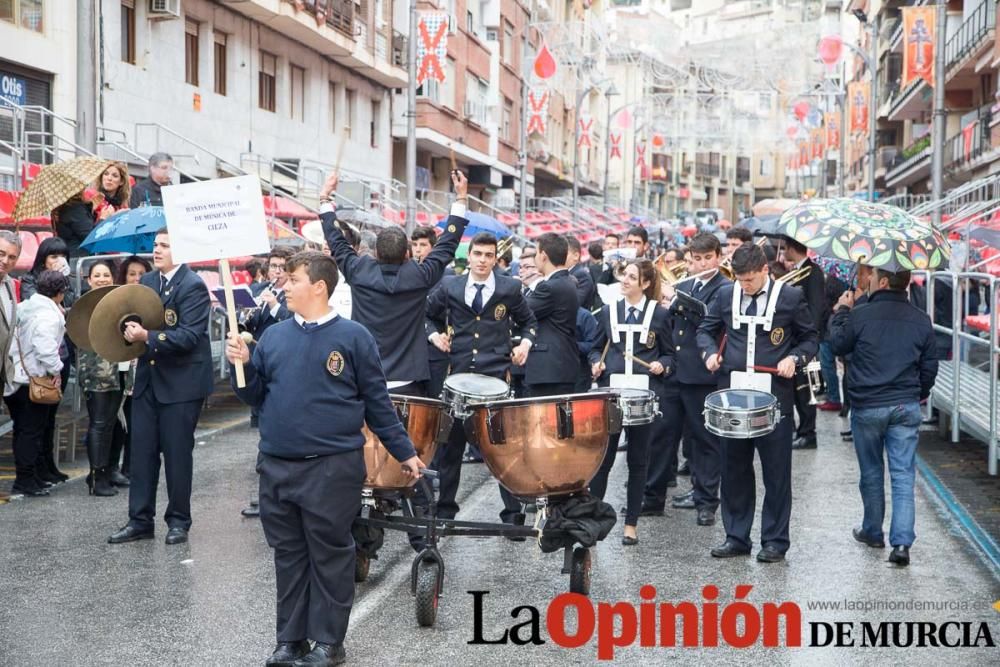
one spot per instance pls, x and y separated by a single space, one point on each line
309 326
477 301
698 285
632 318
752 308
163 284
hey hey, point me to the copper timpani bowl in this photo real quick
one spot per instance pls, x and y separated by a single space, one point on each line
548 446
426 421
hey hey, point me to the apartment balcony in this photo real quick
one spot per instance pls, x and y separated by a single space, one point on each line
344 36
911 165
885 158
963 151
912 102
970 43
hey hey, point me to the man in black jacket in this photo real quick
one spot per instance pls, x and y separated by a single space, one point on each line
813 287
147 191
552 368
472 316
586 290
893 368
784 338
172 381
389 293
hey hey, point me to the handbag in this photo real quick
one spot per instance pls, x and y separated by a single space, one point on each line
42 389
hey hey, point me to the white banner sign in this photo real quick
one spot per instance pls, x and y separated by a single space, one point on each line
212 220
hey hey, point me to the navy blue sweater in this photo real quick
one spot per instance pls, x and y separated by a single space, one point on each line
891 343
316 389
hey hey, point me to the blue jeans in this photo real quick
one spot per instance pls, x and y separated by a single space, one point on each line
828 362
893 429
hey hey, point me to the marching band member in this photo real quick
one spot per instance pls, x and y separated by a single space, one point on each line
696 382
637 326
172 381
766 324
317 379
472 316
389 292
552 369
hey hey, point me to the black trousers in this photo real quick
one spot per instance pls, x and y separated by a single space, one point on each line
637 458
739 487
439 371
30 421
121 439
706 451
307 507
549 389
102 414
167 430
663 444
806 412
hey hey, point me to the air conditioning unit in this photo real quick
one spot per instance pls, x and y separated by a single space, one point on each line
162 10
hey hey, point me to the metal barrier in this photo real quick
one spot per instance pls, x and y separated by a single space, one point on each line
966 387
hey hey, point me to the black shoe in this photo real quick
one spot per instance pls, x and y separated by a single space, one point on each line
100 483
848 438
649 510
286 653
130 534
118 479
683 503
729 549
683 496
469 458
251 510
42 483
770 555
31 488
48 478
844 434
629 541
706 517
804 442
672 484
323 655
176 536
684 469
900 556
864 539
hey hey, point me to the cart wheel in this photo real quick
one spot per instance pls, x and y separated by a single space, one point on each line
428 591
362 562
579 574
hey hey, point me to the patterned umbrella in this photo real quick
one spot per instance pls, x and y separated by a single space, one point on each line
56 184
878 235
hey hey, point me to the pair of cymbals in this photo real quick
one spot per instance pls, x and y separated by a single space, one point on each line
96 322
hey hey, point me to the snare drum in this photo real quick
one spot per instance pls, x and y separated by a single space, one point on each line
638 406
741 413
463 391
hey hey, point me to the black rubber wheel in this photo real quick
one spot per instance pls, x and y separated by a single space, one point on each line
579 573
428 592
362 562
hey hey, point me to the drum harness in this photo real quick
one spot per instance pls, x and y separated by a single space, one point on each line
617 329
766 321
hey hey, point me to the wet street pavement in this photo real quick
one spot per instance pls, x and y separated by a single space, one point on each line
70 598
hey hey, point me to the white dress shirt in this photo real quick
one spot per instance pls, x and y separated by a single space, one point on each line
489 287
761 299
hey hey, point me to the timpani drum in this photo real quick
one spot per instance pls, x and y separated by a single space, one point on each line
741 413
426 421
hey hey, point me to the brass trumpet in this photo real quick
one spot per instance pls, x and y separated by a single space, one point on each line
671 273
796 276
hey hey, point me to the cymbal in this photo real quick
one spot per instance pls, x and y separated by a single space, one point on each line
136 303
78 319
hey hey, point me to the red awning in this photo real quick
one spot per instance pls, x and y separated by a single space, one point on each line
282 207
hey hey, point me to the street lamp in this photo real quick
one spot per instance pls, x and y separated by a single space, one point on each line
576 142
608 94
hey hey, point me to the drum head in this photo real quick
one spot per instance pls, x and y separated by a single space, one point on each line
474 384
628 393
741 399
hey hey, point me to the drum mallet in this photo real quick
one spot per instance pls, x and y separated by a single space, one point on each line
638 361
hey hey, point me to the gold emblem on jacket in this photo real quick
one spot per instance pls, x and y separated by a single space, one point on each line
335 363
170 317
499 312
777 335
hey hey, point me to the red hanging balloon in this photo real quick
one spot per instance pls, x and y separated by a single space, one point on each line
830 48
801 110
658 140
545 63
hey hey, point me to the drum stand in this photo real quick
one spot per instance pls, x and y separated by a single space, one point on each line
427 569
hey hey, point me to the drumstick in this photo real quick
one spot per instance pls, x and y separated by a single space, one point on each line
605 352
340 152
454 165
722 345
767 369
638 361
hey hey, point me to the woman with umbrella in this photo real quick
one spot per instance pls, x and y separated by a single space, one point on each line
113 191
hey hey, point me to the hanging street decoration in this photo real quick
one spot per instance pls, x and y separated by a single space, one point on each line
918 44
538 110
432 49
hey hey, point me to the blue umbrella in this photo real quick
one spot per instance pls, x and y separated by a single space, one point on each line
131 230
479 222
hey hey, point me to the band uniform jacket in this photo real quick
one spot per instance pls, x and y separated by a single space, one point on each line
684 328
656 348
554 356
177 365
792 333
586 290
261 319
390 300
814 290
481 343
